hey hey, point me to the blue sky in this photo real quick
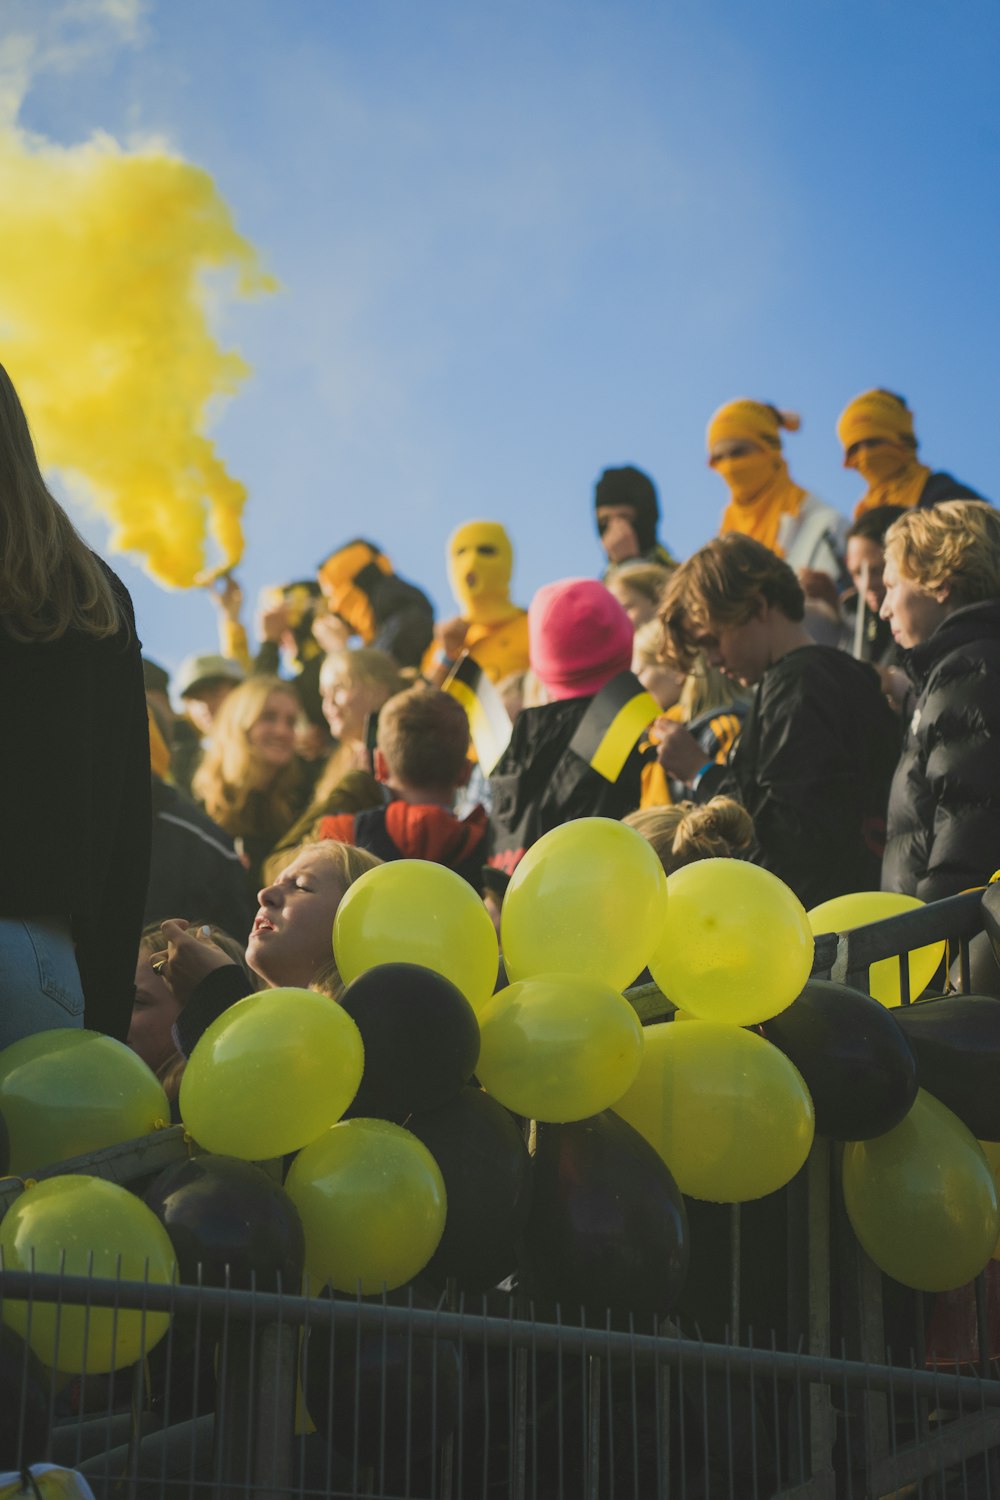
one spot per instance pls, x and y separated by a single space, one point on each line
521 240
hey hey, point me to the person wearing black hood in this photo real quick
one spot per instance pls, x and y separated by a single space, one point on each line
942 601
628 513
364 592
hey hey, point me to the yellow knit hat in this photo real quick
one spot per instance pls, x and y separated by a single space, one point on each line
748 421
876 414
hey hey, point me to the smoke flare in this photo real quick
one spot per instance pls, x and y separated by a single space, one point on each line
103 328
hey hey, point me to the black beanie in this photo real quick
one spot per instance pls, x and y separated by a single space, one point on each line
630 486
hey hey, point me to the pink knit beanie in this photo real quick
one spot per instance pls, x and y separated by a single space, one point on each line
579 637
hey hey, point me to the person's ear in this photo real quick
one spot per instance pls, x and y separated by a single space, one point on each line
381 765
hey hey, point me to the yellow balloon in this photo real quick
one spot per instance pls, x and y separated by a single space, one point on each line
589 898
372 1202
922 1200
83 1226
729 1114
68 1091
991 1150
736 945
862 907
558 1047
410 911
271 1074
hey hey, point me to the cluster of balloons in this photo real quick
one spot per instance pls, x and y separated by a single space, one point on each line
408 1107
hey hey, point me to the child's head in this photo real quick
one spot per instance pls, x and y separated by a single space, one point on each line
685 832
423 741
579 637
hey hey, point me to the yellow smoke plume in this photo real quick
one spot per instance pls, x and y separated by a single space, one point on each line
103 329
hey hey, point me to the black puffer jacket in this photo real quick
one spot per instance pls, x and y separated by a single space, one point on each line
944 807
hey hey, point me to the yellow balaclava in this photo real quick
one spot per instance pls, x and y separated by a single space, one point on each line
480 563
894 474
761 488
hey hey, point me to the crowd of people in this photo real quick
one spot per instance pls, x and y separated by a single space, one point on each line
814 693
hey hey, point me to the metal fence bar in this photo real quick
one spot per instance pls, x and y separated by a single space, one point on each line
268 1306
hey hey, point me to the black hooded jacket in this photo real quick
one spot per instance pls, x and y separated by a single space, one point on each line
944 808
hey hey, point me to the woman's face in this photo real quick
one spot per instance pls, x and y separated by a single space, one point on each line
292 934
347 701
913 613
865 561
154 1011
272 735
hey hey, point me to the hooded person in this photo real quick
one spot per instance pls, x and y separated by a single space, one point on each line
492 629
744 449
876 433
628 515
581 641
375 604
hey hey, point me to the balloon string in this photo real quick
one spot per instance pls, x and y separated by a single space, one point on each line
189 1142
161 1124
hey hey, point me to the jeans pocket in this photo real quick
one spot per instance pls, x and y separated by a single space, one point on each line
58 975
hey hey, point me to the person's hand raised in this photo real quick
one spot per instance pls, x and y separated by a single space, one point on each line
188 957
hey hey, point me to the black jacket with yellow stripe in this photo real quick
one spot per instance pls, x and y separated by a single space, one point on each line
540 781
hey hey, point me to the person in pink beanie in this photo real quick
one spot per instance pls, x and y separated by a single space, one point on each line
580 639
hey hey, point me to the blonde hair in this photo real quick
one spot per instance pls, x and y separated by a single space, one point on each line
50 581
224 780
706 688
365 664
646 579
686 832
647 643
721 585
349 864
954 545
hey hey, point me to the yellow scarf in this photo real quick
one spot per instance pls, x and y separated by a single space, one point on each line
762 492
895 477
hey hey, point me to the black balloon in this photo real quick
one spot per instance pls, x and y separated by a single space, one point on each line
381 1395
607 1227
856 1064
486 1169
421 1040
24 1404
219 1213
957 1043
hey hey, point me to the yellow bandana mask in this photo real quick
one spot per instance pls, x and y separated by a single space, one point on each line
480 563
747 475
